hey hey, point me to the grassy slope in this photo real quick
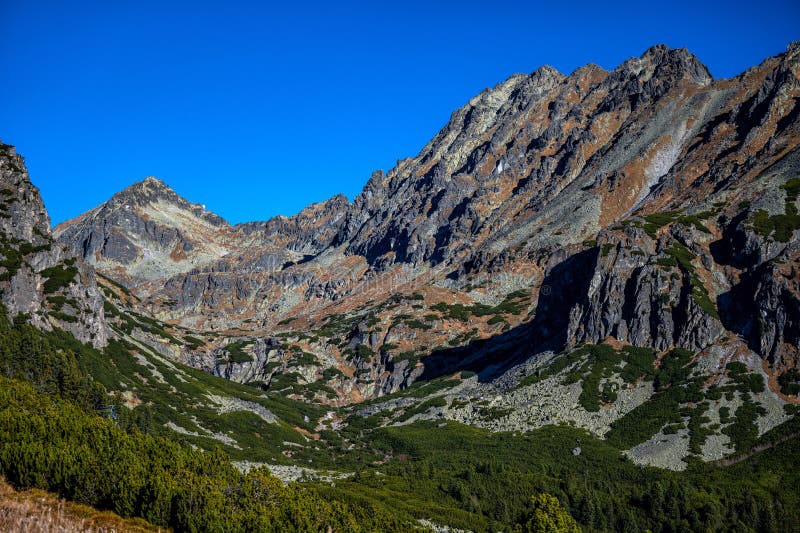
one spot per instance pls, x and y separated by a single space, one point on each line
467 477
184 398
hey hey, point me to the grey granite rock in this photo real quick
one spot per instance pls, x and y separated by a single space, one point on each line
31 258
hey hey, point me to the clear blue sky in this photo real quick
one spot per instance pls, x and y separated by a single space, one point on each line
257 111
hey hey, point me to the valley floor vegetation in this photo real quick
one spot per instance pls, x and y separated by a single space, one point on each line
61 431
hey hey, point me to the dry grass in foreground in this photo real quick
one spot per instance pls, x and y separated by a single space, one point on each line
36 511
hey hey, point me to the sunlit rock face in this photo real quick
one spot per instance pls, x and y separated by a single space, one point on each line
652 205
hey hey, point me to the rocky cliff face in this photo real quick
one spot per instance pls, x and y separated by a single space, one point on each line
42 281
521 156
640 293
650 205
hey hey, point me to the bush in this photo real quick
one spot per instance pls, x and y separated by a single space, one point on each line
512 304
59 276
744 430
781 227
790 382
746 380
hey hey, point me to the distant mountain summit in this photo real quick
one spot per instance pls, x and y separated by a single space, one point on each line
152 190
147 231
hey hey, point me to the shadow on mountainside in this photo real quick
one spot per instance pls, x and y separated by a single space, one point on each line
564 287
736 308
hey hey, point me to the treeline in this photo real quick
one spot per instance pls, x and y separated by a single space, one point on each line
56 446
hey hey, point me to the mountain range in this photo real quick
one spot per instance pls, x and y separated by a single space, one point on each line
589 184
612 250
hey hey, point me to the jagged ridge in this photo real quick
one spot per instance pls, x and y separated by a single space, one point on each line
622 193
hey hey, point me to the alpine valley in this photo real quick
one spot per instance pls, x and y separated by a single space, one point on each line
577 308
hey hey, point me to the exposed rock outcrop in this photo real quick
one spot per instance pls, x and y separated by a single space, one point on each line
643 297
42 281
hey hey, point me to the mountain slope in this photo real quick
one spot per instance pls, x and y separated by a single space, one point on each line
647 206
634 303
147 232
41 279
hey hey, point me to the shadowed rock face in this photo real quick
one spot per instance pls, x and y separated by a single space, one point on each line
40 279
651 204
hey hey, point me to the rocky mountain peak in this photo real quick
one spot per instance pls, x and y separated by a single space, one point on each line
151 191
148 230
545 77
153 186
148 188
539 81
669 65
